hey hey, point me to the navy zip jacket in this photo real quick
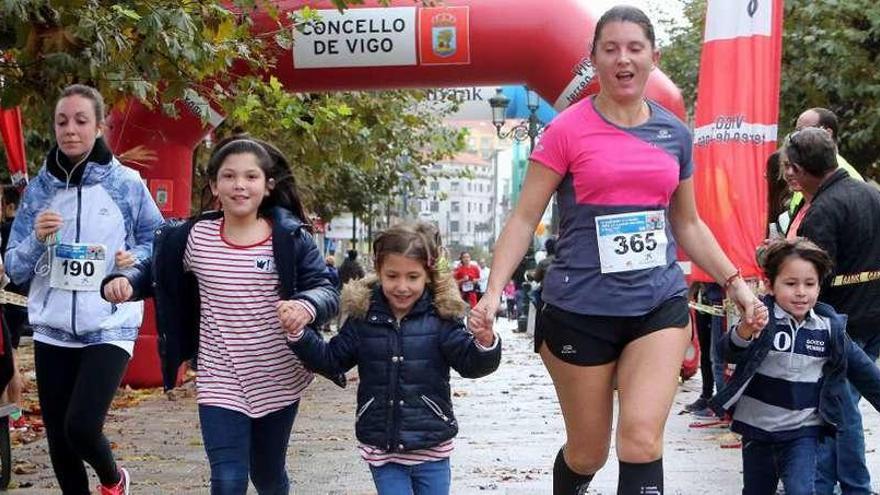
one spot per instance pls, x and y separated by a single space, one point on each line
301 272
847 362
404 401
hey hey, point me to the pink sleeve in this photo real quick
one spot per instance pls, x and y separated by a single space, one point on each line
551 150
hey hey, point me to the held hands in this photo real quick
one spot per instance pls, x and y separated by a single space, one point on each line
293 317
47 223
754 314
117 290
481 319
749 330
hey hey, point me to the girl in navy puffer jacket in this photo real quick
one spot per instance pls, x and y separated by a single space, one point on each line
404 331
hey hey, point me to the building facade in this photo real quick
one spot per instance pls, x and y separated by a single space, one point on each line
460 200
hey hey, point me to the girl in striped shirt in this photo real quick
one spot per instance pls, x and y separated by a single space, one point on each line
404 332
220 281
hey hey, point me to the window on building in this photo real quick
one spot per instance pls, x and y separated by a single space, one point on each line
456 207
453 226
435 206
481 207
454 185
435 186
469 206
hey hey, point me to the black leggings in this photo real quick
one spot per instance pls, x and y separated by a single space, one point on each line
76 387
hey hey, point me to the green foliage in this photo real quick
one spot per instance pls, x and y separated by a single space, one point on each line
680 56
350 151
151 50
831 58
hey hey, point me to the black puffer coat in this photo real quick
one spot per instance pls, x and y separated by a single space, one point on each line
404 400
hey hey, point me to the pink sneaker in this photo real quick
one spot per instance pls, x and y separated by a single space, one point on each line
121 488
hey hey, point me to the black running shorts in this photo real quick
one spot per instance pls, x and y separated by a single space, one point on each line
587 340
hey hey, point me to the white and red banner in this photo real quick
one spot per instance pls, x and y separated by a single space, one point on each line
735 125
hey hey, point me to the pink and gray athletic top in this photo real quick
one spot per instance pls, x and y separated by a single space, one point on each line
616 255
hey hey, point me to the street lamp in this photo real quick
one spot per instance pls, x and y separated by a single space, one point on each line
528 129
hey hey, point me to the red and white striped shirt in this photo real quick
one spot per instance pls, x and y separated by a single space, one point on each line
244 362
378 457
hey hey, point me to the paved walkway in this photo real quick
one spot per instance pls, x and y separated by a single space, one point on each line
510 431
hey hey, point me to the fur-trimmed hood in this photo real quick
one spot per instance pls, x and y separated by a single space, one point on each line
358 294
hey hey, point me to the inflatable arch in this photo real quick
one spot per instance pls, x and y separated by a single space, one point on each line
466 42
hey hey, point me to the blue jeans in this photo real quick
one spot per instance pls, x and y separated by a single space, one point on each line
794 461
238 446
842 458
428 478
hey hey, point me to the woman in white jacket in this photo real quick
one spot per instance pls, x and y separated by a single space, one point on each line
83 214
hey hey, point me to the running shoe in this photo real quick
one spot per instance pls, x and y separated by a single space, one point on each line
121 488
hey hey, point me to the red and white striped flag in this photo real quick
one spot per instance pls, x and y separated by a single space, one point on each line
735 127
13 142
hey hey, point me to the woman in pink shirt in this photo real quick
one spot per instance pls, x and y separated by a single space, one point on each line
614 301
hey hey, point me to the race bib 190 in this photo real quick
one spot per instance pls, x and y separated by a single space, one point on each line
78 266
631 241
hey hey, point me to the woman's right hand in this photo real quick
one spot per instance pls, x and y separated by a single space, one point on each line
118 290
47 223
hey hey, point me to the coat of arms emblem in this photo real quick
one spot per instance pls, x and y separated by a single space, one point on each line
443 34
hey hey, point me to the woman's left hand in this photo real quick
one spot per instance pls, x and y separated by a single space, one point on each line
753 311
293 316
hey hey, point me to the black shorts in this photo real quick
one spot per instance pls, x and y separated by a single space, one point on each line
587 340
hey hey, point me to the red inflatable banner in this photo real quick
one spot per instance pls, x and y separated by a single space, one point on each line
735 124
13 141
